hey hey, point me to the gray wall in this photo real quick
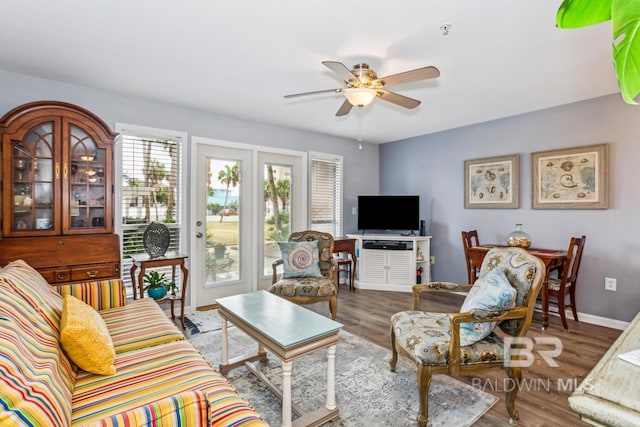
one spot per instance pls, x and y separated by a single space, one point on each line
360 166
432 166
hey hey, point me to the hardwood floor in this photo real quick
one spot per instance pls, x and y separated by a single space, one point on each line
543 399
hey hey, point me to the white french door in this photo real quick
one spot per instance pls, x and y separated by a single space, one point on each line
223 259
283 179
235 220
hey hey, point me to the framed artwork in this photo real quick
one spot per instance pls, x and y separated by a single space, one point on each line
571 178
492 182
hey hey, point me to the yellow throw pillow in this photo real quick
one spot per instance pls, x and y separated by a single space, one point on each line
85 337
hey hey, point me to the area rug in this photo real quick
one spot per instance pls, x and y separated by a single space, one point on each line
367 392
197 322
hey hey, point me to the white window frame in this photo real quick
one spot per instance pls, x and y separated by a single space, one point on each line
182 209
338 159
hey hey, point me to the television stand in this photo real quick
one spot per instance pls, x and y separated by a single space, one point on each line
390 262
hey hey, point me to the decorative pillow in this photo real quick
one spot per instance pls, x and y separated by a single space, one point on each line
85 337
300 259
492 292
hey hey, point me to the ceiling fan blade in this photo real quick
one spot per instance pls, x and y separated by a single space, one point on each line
424 73
344 108
341 70
401 100
294 95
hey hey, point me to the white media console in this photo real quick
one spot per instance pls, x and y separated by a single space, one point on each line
390 262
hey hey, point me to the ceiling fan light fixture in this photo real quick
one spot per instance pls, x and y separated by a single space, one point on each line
360 96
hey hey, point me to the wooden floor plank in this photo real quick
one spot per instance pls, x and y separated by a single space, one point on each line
367 313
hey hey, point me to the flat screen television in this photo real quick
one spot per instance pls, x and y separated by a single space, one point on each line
389 213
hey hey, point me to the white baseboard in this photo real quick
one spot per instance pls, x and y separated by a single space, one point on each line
592 319
600 321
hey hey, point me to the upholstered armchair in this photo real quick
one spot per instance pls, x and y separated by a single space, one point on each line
464 343
309 270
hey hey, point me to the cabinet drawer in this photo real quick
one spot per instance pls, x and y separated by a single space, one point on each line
95 272
56 275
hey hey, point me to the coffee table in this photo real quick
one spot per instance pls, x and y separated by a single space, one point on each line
288 331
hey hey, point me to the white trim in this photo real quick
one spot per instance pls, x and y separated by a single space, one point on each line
245 146
601 321
592 319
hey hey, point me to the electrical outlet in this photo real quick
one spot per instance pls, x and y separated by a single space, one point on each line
610 284
432 259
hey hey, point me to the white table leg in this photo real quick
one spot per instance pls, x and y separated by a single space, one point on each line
225 342
286 394
331 377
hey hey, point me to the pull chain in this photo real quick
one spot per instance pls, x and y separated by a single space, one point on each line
359 137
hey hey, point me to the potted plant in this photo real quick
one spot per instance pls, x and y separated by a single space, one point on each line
157 285
219 250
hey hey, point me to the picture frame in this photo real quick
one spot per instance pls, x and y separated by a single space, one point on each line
492 182
570 178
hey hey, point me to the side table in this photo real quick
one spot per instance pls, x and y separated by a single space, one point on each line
170 259
347 245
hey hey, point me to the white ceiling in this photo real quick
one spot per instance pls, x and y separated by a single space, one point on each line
239 58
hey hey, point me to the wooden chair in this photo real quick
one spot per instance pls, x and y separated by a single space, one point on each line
566 281
432 340
344 266
308 290
469 239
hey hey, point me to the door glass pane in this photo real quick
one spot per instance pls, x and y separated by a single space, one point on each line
87 181
277 210
224 214
33 178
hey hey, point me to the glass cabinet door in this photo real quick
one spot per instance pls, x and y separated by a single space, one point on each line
87 182
33 181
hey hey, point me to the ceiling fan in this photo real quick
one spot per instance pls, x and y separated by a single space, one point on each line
363 85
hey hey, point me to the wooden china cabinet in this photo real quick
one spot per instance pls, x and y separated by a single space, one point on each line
57 192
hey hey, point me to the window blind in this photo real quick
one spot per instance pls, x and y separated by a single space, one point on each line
151 192
326 197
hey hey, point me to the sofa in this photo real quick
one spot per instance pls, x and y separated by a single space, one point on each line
154 376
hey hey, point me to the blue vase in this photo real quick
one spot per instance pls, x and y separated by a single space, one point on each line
157 292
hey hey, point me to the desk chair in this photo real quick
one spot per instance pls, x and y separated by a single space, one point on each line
344 266
566 281
469 239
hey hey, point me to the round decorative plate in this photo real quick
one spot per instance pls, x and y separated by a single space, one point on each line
156 239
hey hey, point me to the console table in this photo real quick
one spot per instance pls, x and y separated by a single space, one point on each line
170 259
608 396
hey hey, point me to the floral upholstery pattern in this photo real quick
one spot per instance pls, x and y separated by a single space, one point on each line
519 269
311 288
305 287
427 336
491 292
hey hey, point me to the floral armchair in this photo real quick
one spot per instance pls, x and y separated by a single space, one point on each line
309 270
450 343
